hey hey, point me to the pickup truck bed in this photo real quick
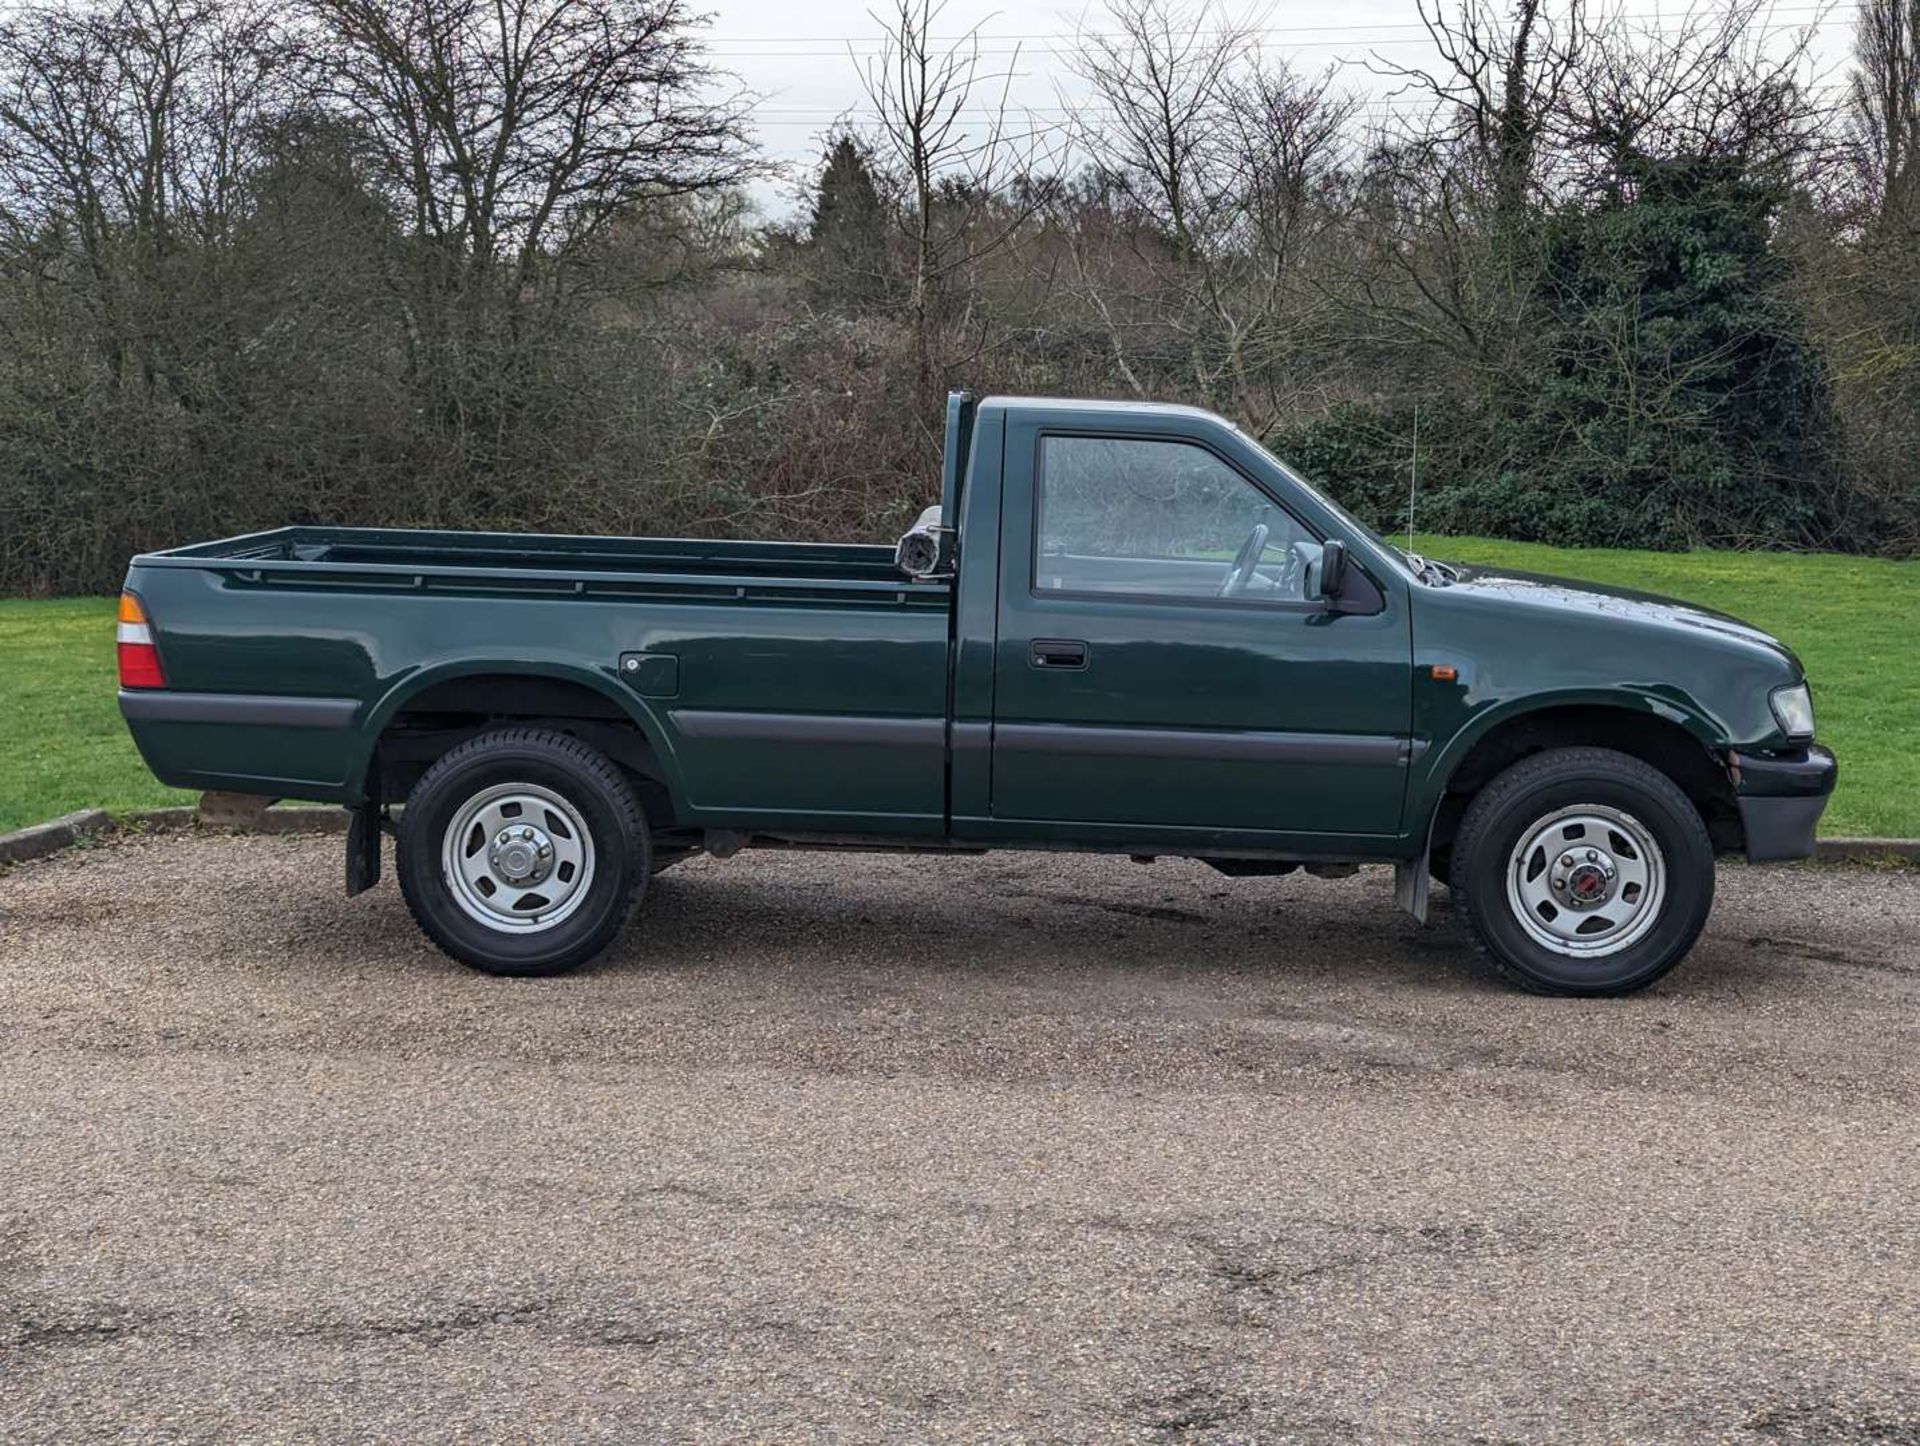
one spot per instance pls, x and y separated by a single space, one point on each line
425 555
695 634
1125 628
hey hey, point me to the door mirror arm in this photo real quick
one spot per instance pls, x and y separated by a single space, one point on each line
1328 580
1336 584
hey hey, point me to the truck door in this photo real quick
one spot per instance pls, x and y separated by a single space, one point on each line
1158 666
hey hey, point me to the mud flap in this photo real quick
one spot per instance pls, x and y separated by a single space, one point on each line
1410 885
363 848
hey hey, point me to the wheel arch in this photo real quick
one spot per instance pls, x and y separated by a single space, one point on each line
467 696
1683 744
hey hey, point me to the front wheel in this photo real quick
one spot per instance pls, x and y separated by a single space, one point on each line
522 852
1583 871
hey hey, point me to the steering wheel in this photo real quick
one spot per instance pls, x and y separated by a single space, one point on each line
1300 563
1241 573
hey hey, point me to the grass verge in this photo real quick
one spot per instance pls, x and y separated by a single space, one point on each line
66 747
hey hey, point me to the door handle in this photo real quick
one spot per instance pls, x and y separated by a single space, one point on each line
1057 653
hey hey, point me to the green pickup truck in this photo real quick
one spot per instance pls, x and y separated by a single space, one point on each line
1126 629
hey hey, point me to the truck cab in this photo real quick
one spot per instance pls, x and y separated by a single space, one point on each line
1156 656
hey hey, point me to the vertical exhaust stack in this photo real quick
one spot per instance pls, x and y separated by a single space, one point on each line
918 552
928 550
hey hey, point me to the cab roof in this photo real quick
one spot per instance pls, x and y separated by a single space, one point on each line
1109 407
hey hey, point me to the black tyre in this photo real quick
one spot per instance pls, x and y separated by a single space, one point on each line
522 852
1583 871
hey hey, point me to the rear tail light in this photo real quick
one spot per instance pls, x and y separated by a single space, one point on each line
139 659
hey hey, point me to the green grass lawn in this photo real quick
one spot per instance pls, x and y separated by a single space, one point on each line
1855 623
65 746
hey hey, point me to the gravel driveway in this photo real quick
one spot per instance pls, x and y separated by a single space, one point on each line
894 1148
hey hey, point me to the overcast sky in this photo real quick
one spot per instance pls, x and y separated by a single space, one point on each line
795 57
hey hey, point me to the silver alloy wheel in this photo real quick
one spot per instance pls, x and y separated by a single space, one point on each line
517 857
1586 881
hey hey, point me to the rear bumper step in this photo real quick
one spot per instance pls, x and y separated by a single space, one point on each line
273 710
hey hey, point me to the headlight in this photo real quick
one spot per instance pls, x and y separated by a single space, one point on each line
1793 708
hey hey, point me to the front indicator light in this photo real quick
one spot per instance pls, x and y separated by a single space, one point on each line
139 658
1793 710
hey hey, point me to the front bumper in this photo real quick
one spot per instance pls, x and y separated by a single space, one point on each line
1781 798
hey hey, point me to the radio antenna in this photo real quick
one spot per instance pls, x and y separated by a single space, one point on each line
1413 487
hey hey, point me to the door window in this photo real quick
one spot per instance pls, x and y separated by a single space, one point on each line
1161 518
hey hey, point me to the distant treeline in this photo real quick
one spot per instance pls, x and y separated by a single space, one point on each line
1629 281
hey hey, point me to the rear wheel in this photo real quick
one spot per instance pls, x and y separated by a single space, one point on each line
522 852
1583 871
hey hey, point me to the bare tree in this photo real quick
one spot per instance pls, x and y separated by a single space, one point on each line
1159 80
1162 83
1536 110
945 127
1215 172
1859 267
1502 74
1287 161
1885 119
127 136
1446 241
513 133
1714 84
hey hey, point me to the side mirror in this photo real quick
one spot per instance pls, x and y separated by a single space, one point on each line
1333 571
